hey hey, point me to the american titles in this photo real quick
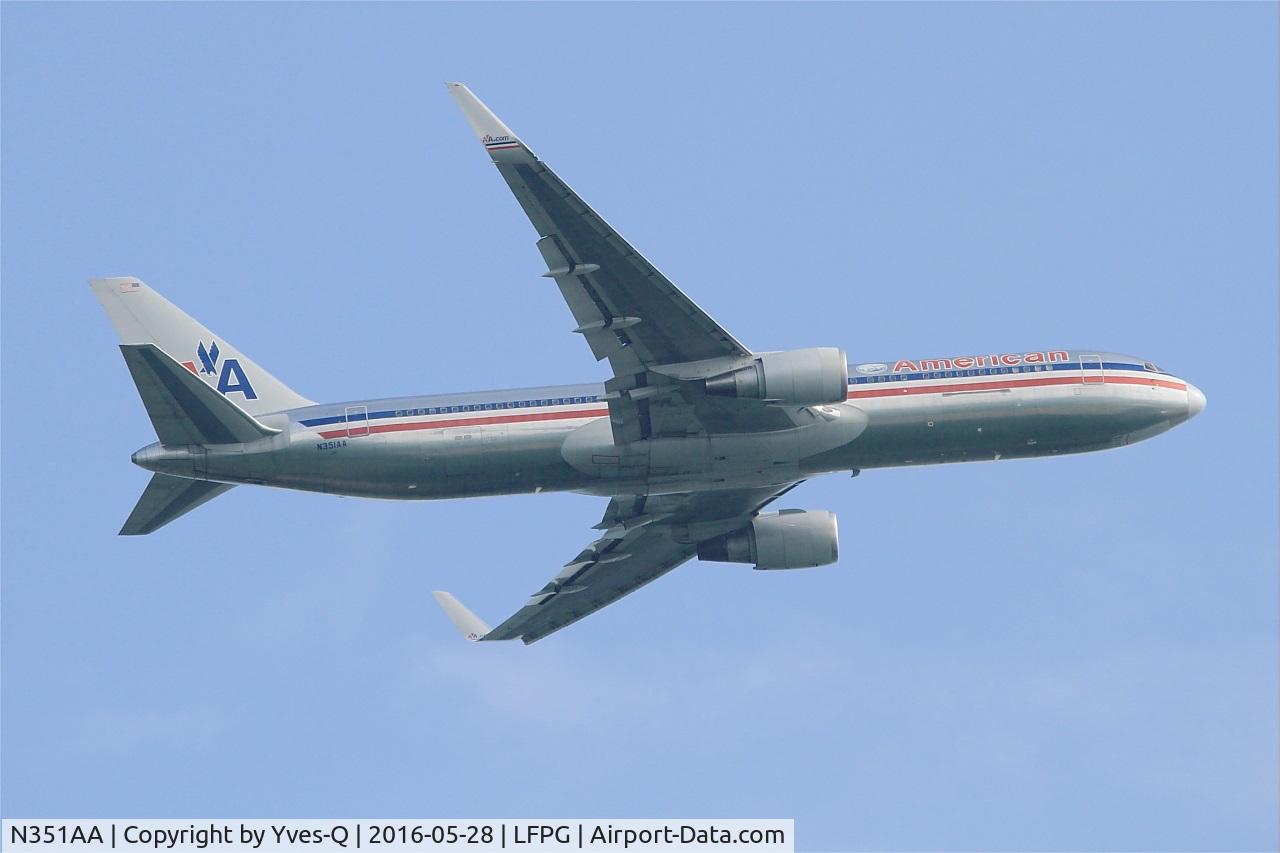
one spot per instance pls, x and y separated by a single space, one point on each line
965 362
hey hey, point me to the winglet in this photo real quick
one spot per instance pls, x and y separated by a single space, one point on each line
498 139
470 625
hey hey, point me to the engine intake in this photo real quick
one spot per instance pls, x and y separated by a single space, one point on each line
802 377
790 539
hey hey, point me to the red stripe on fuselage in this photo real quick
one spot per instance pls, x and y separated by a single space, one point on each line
892 390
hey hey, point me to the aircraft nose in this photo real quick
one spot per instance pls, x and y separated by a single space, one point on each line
1195 401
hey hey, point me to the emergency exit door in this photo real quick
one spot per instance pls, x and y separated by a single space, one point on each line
1091 372
357 421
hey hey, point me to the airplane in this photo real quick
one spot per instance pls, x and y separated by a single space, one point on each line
691 437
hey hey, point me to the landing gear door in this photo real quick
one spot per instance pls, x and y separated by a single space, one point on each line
357 418
1091 372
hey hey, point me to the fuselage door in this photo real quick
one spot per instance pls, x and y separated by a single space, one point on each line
357 421
1091 372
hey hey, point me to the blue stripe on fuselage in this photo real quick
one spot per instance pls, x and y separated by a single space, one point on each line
469 408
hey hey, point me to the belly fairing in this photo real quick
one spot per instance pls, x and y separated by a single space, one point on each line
717 460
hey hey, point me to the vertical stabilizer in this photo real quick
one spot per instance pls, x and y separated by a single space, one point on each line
142 316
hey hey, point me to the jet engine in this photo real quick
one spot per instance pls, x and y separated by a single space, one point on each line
790 539
802 377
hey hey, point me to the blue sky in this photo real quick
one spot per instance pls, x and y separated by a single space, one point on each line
1069 653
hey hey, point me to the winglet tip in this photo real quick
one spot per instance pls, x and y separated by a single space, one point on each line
471 627
482 119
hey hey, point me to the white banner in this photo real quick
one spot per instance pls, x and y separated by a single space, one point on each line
333 836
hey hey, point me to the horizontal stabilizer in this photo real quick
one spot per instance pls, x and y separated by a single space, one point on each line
472 626
183 409
167 498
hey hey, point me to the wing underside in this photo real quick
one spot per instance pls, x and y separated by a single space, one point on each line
643 538
625 308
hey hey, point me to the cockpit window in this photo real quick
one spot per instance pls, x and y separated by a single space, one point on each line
1149 366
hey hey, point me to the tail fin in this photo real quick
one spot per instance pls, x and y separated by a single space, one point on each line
167 498
142 316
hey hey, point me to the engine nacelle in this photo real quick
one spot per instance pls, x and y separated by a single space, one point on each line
802 377
790 539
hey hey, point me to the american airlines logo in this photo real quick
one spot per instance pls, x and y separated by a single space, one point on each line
231 376
208 357
965 362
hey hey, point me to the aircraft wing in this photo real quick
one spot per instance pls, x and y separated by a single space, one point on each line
643 539
628 311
